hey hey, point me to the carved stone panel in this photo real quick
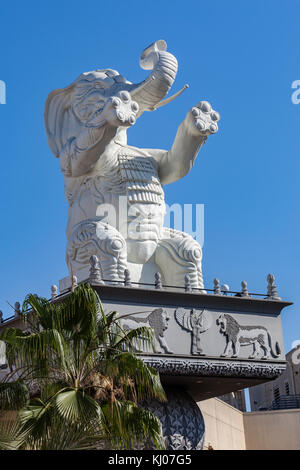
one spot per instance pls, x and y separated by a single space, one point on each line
195 321
208 332
238 335
158 320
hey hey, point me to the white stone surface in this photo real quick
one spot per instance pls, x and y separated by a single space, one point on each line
86 125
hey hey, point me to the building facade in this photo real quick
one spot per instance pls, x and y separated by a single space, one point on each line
284 391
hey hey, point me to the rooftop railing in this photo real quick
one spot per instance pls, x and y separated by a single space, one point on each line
95 279
286 402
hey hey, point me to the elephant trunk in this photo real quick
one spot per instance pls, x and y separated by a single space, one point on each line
164 69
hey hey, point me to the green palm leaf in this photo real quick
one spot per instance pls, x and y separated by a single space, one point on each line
87 379
13 395
77 406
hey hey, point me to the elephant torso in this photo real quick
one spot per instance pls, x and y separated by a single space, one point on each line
127 172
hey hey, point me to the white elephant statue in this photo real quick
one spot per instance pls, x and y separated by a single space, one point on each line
105 178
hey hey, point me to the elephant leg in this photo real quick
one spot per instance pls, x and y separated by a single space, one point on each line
93 237
178 254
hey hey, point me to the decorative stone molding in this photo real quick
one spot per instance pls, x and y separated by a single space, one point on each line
17 309
157 282
214 367
245 292
54 293
187 283
95 272
127 278
272 288
217 287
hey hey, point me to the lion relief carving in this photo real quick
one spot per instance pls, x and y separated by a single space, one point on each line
240 335
157 320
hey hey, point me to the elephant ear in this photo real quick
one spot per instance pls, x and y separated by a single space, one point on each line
60 121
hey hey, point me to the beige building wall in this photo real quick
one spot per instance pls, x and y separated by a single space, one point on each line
227 428
224 425
272 430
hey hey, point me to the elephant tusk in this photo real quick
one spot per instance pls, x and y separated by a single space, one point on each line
168 100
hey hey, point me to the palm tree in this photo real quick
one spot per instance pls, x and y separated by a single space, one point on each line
84 379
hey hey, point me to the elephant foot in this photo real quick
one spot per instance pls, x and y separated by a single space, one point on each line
93 237
177 255
203 119
120 110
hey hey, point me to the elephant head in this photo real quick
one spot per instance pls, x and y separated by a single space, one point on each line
70 108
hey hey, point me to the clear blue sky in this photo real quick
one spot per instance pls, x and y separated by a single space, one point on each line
240 55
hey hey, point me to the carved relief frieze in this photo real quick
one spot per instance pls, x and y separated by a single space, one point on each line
240 335
196 322
158 319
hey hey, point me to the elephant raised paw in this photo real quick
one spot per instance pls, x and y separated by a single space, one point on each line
203 119
119 110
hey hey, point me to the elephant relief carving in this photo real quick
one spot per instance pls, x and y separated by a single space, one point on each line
86 125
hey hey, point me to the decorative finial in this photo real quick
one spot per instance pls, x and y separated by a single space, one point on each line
95 272
54 293
158 284
127 278
1 316
272 288
17 309
245 292
217 287
187 283
225 289
74 283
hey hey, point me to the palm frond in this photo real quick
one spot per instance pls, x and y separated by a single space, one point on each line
41 312
146 379
10 436
87 377
132 426
77 313
35 349
141 337
77 406
13 395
